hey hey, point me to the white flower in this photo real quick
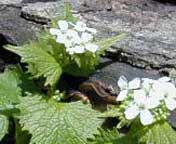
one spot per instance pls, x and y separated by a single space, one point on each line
164 79
54 31
125 87
92 30
63 25
166 91
86 37
147 84
76 38
141 106
76 49
80 26
91 47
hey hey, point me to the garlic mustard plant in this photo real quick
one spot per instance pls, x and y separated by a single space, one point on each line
77 38
148 99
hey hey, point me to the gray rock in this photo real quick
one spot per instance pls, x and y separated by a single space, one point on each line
90 5
15 29
110 72
151 27
172 119
42 11
10 2
34 1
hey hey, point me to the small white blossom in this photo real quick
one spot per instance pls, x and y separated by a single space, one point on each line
166 91
91 47
86 37
80 26
146 96
92 30
141 106
125 86
63 25
77 38
76 49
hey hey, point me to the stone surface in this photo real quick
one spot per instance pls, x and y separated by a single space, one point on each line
110 72
151 28
42 12
15 29
172 119
10 2
90 5
150 24
34 1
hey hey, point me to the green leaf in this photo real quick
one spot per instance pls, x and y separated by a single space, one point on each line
68 13
21 137
50 122
160 133
4 125
9 89
40 62
106 43
106 137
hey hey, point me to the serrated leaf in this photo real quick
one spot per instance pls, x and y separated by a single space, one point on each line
160 133
106 43
40 62
58 123
9 89
4 125
106 137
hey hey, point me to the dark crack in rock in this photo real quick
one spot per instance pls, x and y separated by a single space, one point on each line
34 1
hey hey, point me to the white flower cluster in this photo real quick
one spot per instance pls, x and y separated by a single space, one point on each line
77 38
145 96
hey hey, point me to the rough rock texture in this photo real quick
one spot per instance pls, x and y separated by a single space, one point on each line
172 119
110 72
15 29
151 28
10 2
150 24
34 1
42 12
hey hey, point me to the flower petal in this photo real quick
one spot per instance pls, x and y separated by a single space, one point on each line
63 25
170 90
146 117
131 112
122 95
164 79
76 49
139 96
134 84
91 47
170 103
61 38
54 31
152 102
92 30
80 26
86 37
122 83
